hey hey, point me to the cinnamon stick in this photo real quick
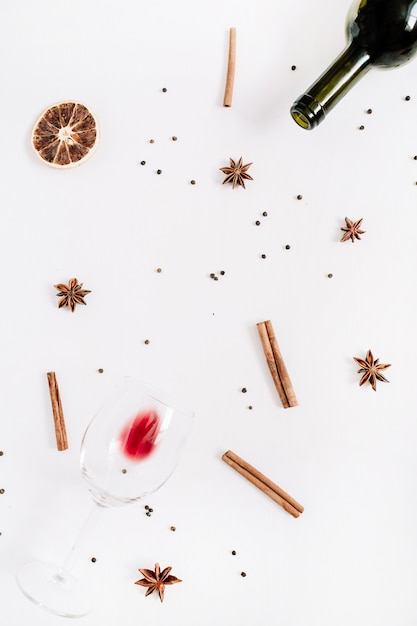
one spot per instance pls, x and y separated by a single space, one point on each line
263 483
231 66
59 422
276 364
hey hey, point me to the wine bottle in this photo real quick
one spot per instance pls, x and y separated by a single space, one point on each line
380 33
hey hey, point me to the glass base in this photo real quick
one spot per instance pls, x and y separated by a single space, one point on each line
53 589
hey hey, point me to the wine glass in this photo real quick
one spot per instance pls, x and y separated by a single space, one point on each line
128 451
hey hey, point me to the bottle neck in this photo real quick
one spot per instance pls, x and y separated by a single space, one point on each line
312 107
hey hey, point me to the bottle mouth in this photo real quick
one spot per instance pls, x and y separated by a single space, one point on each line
300 119
307 112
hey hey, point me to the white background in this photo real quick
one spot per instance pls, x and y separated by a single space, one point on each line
346 453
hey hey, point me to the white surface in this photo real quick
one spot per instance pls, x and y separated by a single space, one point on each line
346 453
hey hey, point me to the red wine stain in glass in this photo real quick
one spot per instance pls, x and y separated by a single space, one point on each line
139 436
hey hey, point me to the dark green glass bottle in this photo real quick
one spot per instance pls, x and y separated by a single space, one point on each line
380 33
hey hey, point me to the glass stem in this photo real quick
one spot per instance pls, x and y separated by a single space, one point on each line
72 556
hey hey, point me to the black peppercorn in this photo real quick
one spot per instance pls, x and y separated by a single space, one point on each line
159 171
293 67
222 272
164 89
146 341
361 127
143 162
2 491
369 111
408 97
148 513
244 390
1 452
192 182
173 528
233 552
257 222
263 256
174 138
287 247
329 275
299 197
93 559
243 574
264 213
100 370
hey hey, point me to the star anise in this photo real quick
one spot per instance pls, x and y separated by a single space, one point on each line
352 230
236 173
371 370
71 294
156 580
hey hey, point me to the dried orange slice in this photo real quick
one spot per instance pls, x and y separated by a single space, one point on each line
65 134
